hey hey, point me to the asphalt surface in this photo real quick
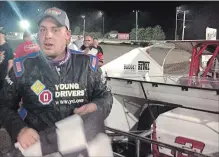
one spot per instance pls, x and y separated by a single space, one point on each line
112 51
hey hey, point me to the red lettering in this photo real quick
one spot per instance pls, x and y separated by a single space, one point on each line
190 144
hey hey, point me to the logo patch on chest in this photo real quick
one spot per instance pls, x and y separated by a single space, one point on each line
45 97
70 93
38 87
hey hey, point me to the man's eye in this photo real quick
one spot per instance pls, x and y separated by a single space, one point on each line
42 30
55 29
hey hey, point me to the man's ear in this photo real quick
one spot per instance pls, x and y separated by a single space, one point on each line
69 34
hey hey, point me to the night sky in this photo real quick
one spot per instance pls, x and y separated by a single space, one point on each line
119 15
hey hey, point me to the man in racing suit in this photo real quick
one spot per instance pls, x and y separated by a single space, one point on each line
53 84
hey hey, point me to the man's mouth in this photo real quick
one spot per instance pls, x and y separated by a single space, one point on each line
48 45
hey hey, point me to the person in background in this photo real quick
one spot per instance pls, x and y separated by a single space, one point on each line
27 40
72 46
79 41
6 57
88 48
96 44
27 36
100 51
87 44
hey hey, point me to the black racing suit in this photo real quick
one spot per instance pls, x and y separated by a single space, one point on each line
51 93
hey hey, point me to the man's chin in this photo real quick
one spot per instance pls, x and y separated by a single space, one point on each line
49 53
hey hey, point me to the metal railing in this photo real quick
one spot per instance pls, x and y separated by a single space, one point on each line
148 140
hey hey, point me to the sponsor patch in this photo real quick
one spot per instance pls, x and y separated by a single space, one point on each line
53 11
37 87
45 97
93 62
8 80
22 113
143 66
18 66
71 94
129 68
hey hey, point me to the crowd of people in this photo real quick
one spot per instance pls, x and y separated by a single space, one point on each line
39 69
88 45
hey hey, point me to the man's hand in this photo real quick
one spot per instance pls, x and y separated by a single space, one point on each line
27 137
85 109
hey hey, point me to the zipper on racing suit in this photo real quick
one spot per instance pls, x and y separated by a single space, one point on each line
62 69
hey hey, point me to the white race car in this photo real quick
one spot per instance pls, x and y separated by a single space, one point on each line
170 94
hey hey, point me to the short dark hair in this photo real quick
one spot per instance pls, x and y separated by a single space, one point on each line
26 34
88 35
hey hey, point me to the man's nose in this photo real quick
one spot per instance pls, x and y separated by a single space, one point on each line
48 34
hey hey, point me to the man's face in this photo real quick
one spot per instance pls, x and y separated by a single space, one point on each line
88 41
95 43
2 37
53 38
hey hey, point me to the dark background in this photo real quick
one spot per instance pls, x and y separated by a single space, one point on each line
118 15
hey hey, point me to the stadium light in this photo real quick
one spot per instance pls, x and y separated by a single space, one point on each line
136 24
84 21
181 9
101 14
24 24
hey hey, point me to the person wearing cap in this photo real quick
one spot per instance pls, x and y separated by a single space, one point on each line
6 57
54 82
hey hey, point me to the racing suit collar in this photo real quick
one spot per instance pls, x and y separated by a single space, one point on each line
59 62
